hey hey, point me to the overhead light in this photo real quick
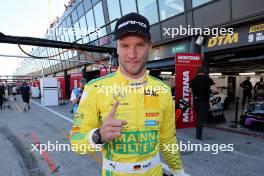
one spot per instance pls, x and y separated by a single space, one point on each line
247 74
166 73
215 74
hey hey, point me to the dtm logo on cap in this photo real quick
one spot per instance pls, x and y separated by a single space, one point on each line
132 22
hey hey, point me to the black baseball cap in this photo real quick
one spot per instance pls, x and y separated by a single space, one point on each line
132 23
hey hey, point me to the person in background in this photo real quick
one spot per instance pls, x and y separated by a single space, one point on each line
8 90
25 93
201 87
76 95
2 93
14 91
259 89
247 88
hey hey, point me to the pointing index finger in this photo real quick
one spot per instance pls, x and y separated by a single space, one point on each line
113 110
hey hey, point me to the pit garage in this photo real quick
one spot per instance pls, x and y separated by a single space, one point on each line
231 60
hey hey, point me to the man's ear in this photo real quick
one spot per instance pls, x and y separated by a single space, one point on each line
117 51
150 47
117 48
150 44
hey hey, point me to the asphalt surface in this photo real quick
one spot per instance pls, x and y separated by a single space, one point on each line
20 131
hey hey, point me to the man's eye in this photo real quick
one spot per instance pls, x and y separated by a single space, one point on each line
140 45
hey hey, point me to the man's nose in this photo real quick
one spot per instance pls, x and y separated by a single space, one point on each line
132 53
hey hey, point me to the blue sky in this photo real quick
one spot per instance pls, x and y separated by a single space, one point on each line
25 18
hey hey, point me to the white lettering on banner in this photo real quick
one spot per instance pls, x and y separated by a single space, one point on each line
189 57
186 93
191 112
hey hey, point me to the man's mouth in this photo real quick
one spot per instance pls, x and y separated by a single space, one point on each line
132 62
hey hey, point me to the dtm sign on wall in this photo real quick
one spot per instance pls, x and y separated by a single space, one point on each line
245 35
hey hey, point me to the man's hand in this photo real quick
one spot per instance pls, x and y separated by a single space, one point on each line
111 128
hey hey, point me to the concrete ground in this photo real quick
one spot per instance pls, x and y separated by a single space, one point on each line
19 130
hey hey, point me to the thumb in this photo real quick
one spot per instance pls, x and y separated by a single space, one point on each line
113 110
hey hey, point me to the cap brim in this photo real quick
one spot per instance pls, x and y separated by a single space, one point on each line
127 33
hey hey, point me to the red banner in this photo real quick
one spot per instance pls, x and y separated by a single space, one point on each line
61 88
75 80
35 83
186 66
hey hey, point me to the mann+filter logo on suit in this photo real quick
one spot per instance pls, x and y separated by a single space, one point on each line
135 142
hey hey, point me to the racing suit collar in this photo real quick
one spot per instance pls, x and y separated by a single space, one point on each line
132 82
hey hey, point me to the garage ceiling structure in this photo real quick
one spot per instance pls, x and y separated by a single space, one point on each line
234 61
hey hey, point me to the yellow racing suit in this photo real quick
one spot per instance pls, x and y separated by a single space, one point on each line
147 107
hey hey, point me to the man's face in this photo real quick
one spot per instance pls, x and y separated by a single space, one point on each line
133 53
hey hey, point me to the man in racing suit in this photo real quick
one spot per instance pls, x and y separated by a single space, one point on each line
129 112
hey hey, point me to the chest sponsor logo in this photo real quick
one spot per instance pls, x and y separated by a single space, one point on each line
150 114
135 142
151 123
137 84
151 93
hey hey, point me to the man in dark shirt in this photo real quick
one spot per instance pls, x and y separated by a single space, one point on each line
201 89
259 89
25 92
2 93
247 87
